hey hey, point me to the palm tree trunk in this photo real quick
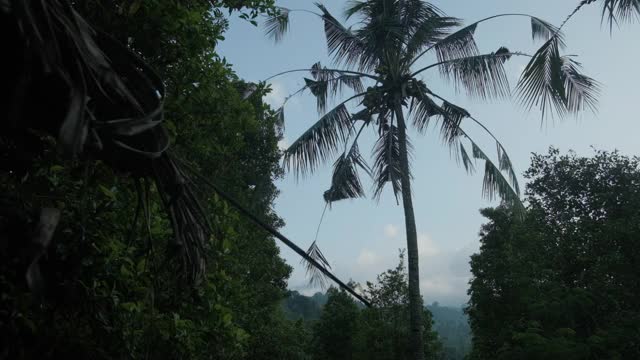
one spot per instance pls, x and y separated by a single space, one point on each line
416 342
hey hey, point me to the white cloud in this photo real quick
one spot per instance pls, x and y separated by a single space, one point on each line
367 258
276 97
445 277
390 231
426 246
437 286
444 272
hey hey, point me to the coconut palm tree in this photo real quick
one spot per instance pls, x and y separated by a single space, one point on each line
375 60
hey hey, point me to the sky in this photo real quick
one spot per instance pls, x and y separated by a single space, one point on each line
362 238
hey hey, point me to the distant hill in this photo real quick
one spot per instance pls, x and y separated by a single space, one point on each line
452 326
297 306
320 298
451 323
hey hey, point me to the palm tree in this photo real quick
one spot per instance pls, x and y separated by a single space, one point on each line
375 61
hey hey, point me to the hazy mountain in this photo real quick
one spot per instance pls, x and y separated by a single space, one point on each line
450 323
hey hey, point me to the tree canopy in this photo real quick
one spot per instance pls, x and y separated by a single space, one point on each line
113 288
562 283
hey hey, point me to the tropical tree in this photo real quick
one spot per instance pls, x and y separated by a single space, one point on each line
375 59
561 283
384 334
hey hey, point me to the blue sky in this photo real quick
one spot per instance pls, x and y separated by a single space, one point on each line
361 237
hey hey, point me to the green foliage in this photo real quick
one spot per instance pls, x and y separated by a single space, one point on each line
562 283
112 288
348 331
334 333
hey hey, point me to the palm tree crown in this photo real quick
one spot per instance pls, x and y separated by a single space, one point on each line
390 37
375 61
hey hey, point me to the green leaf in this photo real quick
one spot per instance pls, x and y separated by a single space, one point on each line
135 6
107 192
140 267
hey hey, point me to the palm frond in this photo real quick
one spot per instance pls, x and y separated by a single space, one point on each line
343 45
353 82
466 159
541 81
494 183
554 84
315 275
460 44
364 115
582 91
345 183
505 165
319 89
319 142
423 110
452 117
424 24
482 76
339 78
542 30
276 26
416 12
386 168
623 10
354 7
180 191
382 35
330 83
429 32
449 115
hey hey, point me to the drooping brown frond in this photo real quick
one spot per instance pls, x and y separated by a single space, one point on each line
178 186
345 183
327 83
386 167
315 275
494 183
